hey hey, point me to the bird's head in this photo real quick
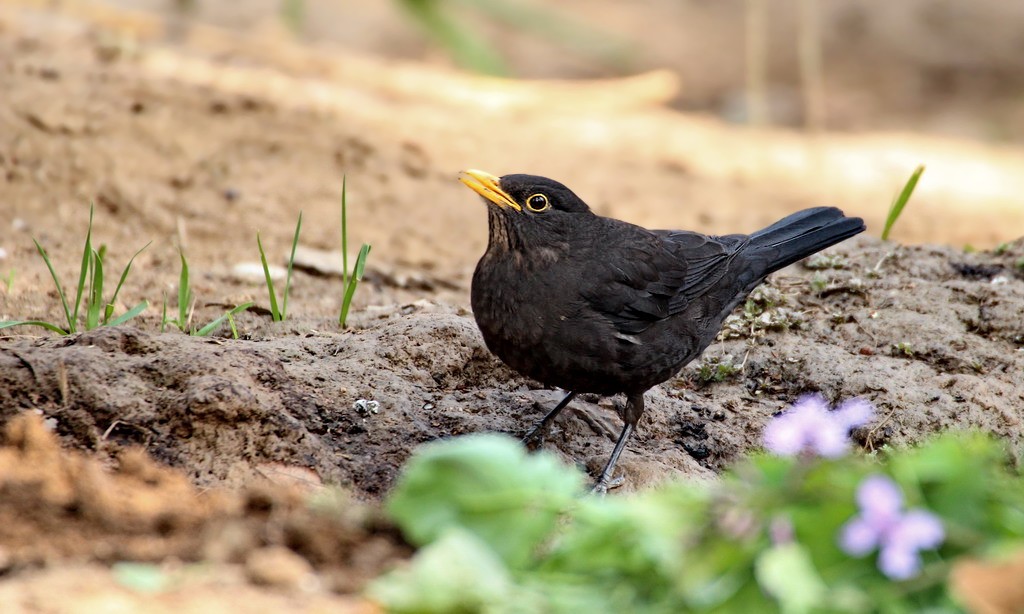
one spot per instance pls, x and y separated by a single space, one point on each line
527 208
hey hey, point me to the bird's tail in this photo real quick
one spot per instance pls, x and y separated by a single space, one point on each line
799 235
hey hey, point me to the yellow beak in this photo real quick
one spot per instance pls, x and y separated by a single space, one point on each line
486 185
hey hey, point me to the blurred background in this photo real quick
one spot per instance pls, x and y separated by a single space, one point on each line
939 66
719 116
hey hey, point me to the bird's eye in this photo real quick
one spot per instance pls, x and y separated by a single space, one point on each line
537 203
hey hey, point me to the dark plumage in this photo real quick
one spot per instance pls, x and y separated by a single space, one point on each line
592 304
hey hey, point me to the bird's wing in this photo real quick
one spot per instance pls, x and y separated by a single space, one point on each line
655 275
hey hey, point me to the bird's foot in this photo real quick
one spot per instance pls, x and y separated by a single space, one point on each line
532 442
603 486
534 438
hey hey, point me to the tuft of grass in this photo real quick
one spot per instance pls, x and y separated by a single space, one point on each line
185 298
186 307
9 280
276 313
898 203
764 310
717 369
902 349
349 282
97 311
820 261
229 316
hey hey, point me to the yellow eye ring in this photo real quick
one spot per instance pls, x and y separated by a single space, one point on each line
538 203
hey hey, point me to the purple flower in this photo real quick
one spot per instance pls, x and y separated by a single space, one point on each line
780 530
882 524
809 427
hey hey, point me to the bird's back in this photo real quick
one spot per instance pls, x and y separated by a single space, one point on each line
618 308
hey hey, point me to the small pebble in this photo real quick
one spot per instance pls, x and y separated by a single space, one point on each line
253 271
364 406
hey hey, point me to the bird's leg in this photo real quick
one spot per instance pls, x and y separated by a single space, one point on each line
631 415
543 424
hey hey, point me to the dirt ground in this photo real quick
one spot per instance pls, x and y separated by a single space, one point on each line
159 470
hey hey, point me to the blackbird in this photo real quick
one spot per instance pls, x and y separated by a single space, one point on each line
592 304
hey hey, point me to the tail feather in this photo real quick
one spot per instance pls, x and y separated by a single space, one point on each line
797 236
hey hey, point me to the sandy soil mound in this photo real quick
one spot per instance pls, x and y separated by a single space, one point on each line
932 336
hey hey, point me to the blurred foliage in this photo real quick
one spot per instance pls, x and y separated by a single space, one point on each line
501 531
293 14
444 21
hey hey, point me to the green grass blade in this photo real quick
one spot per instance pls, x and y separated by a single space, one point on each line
291 263
344 234
231 323
350 289
124 275
275 314
364 251
163 315
46 325
84 270
900 202
60 290
131 313
209 328
95 299
184 291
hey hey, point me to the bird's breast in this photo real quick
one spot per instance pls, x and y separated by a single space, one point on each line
539 324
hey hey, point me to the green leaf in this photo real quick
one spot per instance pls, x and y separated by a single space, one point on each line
787 573
124 275
184 292
95 300
275 313
353 282
84 270
291 263
457 573
344 233
488 485
46 325
60 291
209 328
128 315
163 315
898 203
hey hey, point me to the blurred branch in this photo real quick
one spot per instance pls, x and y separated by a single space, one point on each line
467 49
439 18
811 72
293 14
549 25
757 61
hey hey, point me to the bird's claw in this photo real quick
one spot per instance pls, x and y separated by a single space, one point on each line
603 486
532 442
